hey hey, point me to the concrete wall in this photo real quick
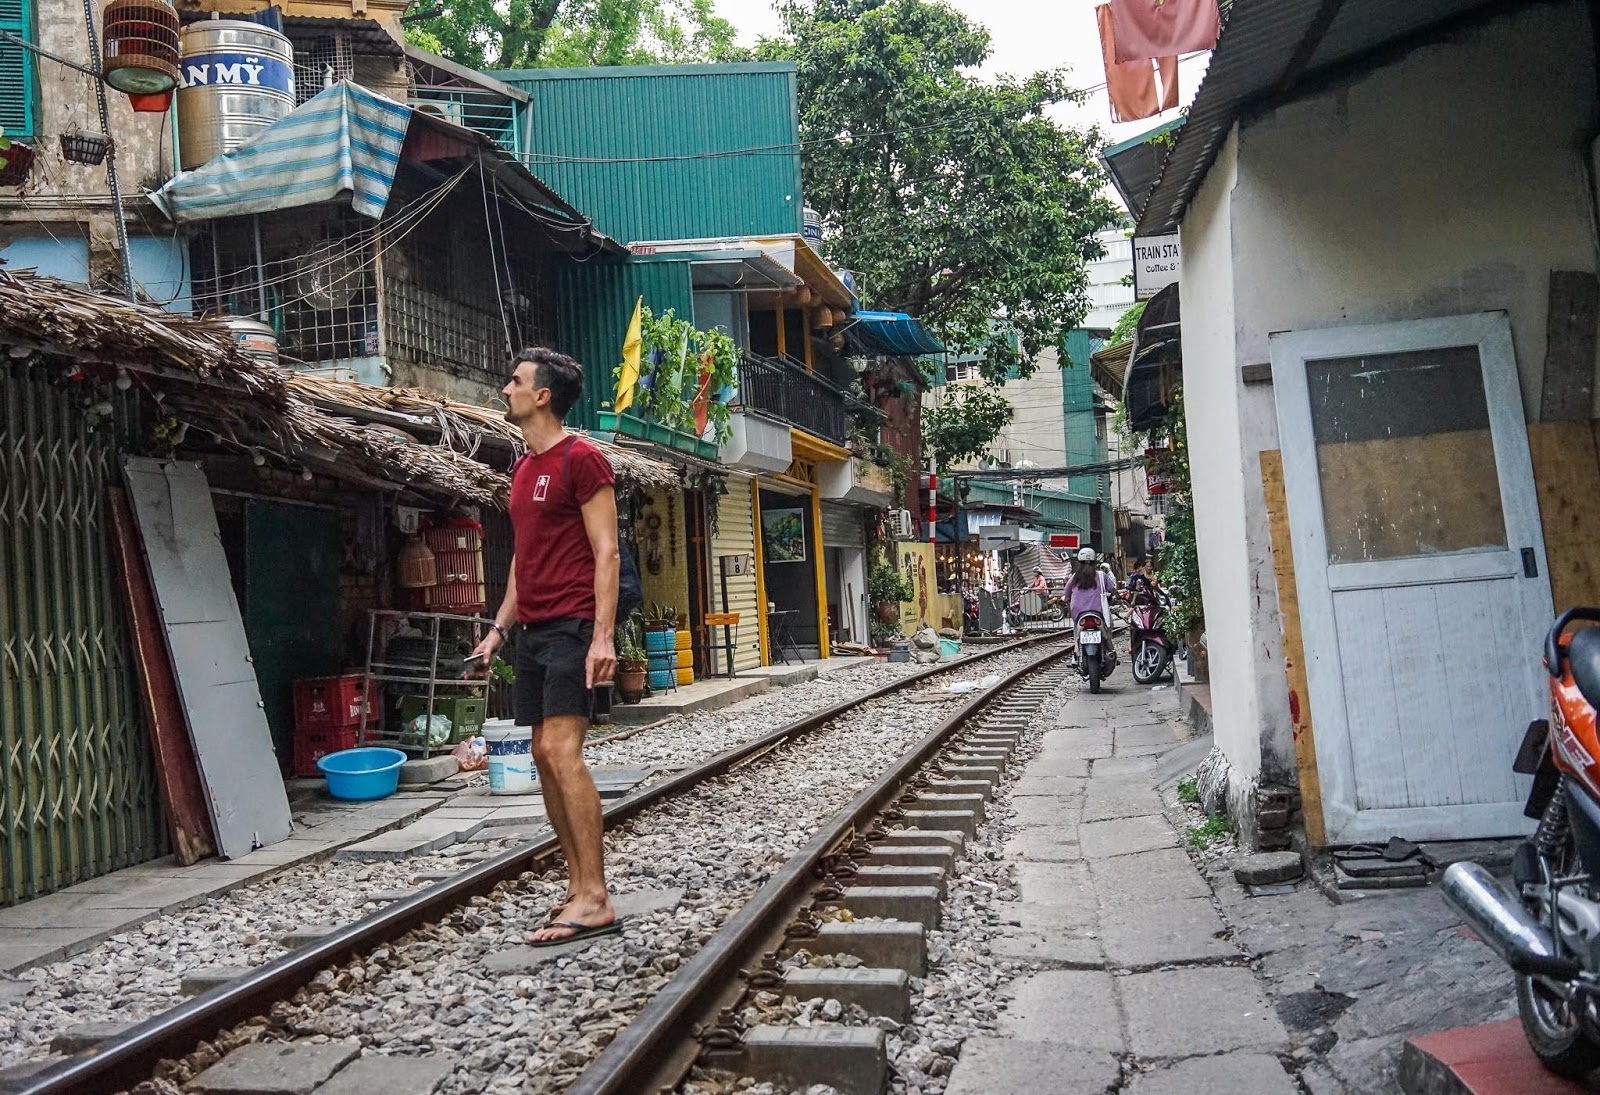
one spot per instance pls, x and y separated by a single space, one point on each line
1451 181
1108 297
1211 403
1035 433
63 199
68 103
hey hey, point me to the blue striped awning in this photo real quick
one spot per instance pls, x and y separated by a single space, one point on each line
344 140
892 333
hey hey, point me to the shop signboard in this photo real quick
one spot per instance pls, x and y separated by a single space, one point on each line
1156 264
1064 541
999 537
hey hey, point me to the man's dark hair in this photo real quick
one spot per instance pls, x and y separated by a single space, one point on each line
558 372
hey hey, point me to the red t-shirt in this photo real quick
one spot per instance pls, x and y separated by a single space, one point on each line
554 562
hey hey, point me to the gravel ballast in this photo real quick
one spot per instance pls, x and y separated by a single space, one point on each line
432 993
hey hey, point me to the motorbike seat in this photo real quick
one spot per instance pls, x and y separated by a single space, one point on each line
1583 654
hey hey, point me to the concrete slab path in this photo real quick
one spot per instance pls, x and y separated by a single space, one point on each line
1137 985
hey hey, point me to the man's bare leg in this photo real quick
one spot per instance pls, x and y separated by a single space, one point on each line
555 808
558 751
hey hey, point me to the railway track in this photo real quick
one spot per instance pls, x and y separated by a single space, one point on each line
389 978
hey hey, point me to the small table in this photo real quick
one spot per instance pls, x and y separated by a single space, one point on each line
783 635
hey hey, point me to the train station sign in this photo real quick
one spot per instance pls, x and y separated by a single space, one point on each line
1157 262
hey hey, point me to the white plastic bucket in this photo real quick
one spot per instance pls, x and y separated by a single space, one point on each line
510 751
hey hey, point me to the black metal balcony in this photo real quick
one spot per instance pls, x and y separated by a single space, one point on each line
785 389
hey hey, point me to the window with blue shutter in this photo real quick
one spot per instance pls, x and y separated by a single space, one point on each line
18 100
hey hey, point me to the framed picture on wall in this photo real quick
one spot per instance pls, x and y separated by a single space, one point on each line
783 533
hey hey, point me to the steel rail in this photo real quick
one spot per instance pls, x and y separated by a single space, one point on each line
655 1051
122 1062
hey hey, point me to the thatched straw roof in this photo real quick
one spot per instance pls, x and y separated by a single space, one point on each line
462 426
207 382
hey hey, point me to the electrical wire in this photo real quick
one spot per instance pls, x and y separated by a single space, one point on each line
494 264
341 251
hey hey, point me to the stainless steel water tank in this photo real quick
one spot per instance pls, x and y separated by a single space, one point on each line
255 338
236 79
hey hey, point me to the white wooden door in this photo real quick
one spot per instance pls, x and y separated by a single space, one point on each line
1421 570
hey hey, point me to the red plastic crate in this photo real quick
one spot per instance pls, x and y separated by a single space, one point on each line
311 745
330 703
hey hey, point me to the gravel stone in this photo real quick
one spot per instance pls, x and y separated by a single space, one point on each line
532 1030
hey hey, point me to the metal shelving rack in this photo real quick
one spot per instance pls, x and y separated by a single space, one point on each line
417 675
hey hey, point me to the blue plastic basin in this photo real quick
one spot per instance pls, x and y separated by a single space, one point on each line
360 774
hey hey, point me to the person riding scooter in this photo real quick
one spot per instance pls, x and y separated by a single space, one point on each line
1090 589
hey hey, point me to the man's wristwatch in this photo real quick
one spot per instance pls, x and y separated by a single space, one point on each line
504 637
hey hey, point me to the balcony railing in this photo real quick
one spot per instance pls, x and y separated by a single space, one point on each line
785 389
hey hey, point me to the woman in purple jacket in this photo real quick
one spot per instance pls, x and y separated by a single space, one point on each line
1089 589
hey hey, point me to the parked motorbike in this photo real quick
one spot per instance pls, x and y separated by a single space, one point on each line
1097 656
1150 651
1054 609
1546 927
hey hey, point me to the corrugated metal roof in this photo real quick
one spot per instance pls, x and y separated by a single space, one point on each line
594 302
1134 164
669 152
1268 50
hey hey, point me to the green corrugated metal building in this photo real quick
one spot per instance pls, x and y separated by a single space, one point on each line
669 152
594 302
1083 442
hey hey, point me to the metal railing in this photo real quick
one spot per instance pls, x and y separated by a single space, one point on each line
786 389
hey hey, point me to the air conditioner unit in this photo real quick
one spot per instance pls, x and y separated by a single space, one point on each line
900 524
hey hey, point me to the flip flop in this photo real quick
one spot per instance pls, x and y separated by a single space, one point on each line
579 931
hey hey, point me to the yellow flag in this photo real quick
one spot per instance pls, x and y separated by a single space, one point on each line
631 345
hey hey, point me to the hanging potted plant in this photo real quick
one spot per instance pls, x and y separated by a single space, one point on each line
16 160
632 665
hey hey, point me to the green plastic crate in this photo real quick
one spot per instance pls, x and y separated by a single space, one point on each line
466 713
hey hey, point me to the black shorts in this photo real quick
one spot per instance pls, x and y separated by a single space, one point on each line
550 665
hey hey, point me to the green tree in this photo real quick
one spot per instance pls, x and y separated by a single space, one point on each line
1124 329
961 428
500 34
957 198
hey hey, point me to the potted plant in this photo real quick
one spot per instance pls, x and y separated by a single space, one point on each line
632 665
887 588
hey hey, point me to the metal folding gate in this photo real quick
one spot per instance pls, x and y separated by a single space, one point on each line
77 790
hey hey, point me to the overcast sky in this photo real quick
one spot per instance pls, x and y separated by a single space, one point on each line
1028 35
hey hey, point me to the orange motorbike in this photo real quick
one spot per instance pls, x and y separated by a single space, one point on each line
1547 929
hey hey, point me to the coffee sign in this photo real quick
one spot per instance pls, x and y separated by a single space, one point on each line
1156 263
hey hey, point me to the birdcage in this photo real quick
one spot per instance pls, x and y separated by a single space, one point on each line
141 44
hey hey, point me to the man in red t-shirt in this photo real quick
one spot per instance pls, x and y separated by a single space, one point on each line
563 592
